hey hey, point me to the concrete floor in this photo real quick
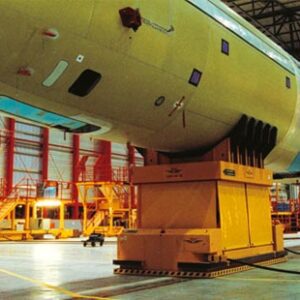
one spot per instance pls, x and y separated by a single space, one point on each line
52 270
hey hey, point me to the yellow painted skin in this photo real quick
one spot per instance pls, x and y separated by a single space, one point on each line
138 67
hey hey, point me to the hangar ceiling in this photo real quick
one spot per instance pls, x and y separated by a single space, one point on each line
278 19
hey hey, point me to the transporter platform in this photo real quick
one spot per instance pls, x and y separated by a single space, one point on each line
205 218
195 216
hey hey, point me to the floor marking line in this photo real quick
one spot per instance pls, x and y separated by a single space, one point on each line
125 285
259 279
52 287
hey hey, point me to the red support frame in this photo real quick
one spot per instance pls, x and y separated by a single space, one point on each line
131 163
45 161
45 154
103 166
11 126
75 174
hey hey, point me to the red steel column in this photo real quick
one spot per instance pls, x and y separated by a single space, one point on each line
45 161
10 155
45 154
131 163
75 174
103 166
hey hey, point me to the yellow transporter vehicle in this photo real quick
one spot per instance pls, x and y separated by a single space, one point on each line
173 76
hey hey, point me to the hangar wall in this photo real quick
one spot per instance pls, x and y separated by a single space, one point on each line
38 154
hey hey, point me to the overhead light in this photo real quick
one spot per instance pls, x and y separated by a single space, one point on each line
48 203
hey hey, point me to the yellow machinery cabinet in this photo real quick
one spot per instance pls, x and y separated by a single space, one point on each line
194 216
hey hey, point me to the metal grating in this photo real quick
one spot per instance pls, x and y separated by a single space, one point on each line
208 275
278 19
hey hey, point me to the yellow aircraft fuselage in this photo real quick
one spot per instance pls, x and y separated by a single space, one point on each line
146 93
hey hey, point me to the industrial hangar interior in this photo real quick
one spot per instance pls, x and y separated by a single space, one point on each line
149 149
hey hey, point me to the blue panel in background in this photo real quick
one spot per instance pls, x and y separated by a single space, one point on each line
38 115
22 110
295 165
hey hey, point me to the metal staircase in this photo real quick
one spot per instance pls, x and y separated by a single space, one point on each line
8 204
103 203
104 193
94 222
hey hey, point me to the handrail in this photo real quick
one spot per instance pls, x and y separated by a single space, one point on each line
97 217
105 173
27 188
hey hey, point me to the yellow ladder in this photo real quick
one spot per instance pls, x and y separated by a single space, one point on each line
94 222
6 207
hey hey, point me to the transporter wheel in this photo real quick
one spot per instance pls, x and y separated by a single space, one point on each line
93 244
101 243
84 244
